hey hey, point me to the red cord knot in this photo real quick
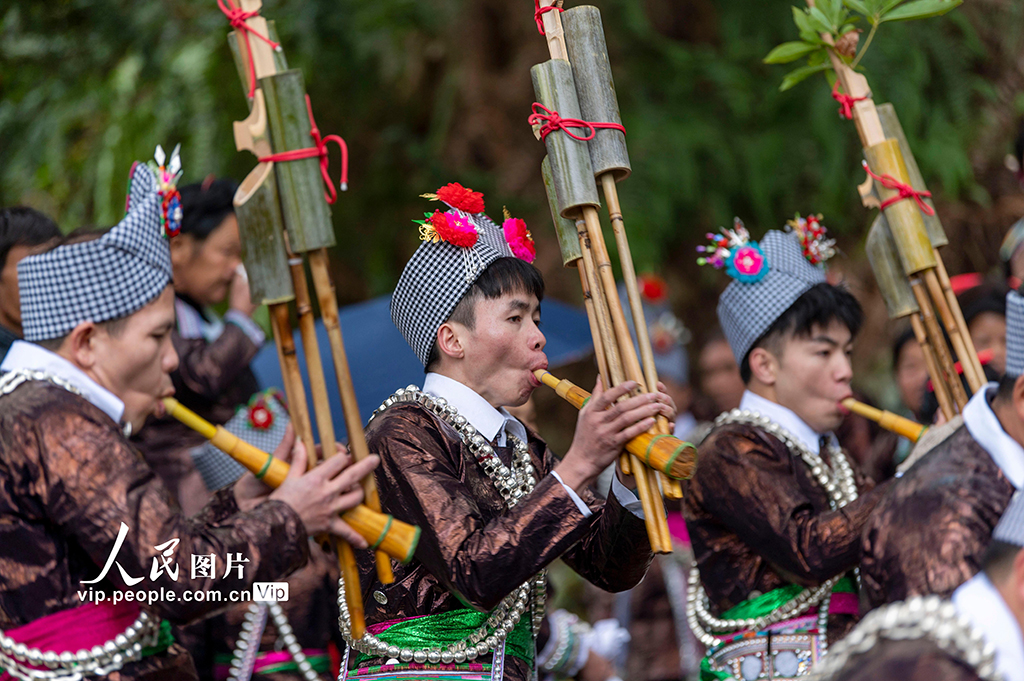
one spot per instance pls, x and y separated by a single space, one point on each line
539 12
905 191
846 102
319 150
549 121
237 18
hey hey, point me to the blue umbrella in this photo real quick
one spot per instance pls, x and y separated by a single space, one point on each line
381 361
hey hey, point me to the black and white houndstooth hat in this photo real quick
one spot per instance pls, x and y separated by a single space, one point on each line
440 273
105 278
1014 334
760 293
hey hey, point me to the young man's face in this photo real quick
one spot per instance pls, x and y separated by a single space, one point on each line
813 375
10 303
136 364
503 349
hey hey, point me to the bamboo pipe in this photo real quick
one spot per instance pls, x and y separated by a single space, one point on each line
938 343
912 430
655 506
318 386
396 538
871 132
664 453
656 525
314 365
939 386
615 376
670 487
956 333
298 409
958 314
324 288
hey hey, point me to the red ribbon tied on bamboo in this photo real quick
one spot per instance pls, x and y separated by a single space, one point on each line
549 121
905 191
539 12
237 18
846 102
319 150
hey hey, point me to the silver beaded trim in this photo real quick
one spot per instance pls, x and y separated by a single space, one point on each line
513 483
917 618
839 483
248 645
68 666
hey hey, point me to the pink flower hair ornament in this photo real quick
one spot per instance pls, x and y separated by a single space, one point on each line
811 233
733 251
518 237
451 227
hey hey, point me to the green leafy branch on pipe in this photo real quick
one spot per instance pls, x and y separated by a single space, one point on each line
838 20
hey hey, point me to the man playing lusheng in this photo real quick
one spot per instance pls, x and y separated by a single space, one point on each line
773 509
931 529
77 500
494 504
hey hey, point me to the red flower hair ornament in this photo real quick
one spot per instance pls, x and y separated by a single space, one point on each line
459 198
518 237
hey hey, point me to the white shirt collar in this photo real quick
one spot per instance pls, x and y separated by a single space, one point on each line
979 601
488 421
25 355
784 417
984 427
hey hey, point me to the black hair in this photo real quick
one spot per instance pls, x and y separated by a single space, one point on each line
820 305
1004 393
24 226
501 277
998 559
204 205
898 345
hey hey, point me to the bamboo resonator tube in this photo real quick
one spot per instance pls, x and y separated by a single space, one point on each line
664 453
382 531
912 430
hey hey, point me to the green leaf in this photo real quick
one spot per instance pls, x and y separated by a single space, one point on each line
858 6
802 21
801 74
830 10
819 22
787 52
921 9
886 5
811 37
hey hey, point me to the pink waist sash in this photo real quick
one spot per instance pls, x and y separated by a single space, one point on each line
88 625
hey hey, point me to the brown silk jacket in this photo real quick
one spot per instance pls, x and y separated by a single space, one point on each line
917 660
929 532
758 520
474 551
68 479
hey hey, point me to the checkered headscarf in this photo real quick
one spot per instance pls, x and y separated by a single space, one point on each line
1014 334
103 279
437 277
747 311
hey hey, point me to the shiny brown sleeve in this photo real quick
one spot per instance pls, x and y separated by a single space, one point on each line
478 555
208 369
753 489
616 553
91 481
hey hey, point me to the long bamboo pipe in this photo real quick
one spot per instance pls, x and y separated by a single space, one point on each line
664 453
869 129
394 537
912 430
597 271
318 266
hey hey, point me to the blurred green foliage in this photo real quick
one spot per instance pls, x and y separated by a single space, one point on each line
87 86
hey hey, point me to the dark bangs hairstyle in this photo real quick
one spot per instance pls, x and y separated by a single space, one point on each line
204 205
821 304
501 277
